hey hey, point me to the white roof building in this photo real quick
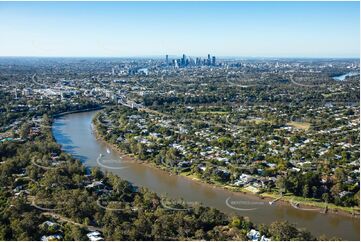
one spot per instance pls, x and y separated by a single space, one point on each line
95 236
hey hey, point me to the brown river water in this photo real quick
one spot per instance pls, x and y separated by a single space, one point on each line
75 133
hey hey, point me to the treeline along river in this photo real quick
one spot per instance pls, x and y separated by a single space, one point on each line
76 135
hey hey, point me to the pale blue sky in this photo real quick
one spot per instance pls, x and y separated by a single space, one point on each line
246 29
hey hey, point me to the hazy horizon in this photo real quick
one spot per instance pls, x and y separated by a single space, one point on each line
180 55
154 29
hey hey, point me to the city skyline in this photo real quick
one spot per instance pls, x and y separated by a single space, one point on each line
144 29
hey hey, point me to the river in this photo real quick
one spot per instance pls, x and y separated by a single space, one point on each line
75 133
344 76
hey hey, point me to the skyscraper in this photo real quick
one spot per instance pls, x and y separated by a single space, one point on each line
175 63
209 60
166 60
213 61
198 61
183 62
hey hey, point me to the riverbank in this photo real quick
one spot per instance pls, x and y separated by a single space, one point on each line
77 111
286 200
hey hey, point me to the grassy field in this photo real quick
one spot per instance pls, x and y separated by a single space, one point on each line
214 112
300 125
256 120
